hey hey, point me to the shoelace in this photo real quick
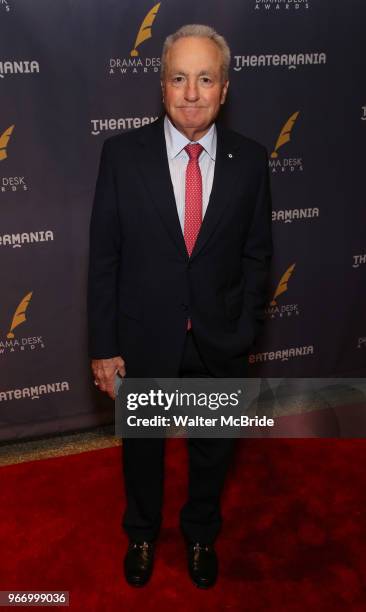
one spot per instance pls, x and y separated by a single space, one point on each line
146 551
198 547
143 545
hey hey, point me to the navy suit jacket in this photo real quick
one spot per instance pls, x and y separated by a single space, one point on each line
142 285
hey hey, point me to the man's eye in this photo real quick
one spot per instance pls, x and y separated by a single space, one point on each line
178 79
206 80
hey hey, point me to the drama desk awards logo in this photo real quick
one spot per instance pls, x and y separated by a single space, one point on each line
134 63
275 6
13 341
277 163
5 4
4 139
275 310
9 183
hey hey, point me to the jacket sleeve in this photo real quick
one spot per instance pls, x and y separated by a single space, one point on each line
257 251
104 255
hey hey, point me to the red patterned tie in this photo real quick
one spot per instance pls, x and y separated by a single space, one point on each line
193 203
193 200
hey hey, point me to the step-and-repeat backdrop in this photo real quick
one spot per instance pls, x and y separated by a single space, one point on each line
73 73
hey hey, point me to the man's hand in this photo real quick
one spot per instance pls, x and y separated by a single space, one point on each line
105 370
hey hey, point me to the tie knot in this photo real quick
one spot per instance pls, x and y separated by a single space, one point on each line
194 150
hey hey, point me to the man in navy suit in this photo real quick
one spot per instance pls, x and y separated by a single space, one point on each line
180 246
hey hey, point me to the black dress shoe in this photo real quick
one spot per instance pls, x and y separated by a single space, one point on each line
202 564
139 561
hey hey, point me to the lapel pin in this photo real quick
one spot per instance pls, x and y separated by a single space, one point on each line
230 155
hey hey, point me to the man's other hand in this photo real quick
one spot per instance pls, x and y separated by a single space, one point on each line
105 370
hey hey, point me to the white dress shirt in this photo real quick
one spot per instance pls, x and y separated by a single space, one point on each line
178 160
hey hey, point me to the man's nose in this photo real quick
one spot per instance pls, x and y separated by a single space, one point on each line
191 92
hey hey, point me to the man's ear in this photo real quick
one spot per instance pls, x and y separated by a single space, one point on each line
162 90
225 87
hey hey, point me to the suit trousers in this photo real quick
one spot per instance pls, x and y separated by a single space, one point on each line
143 469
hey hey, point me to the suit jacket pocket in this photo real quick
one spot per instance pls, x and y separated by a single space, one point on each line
233 306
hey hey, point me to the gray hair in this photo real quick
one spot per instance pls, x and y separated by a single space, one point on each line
201 31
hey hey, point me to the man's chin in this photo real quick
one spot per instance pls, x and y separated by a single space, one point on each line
191 124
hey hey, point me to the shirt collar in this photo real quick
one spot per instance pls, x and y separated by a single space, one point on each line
176 141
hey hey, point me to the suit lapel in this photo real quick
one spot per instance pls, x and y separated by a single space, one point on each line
226 168
154 166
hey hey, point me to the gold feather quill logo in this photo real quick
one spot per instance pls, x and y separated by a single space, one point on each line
285 134
282 285
19 315
145 29
4 139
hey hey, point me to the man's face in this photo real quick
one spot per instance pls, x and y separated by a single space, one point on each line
193 89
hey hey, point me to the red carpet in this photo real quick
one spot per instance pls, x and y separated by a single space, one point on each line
293 539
